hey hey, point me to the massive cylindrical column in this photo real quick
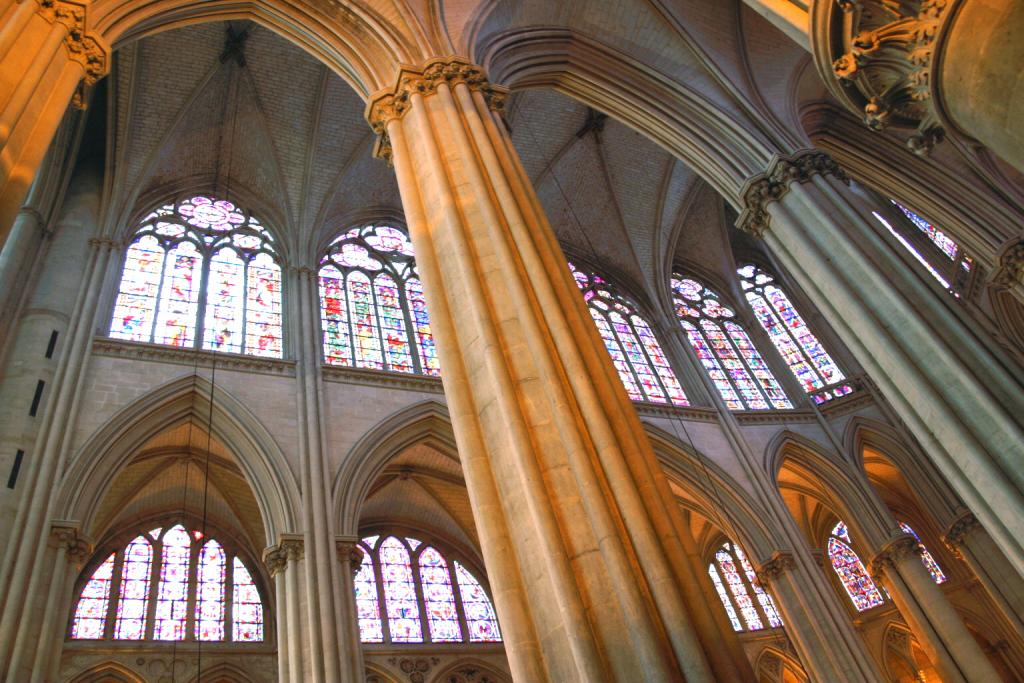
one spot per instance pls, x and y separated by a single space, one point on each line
946 381
938 627
572 510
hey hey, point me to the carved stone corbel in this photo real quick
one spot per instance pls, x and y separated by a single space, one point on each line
349 552
779 564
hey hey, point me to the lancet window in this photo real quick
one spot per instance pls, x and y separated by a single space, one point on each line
372 308
851 572
201 273
812 365
748 605
730 358
935 250
635 351
926 557
409 592
169 584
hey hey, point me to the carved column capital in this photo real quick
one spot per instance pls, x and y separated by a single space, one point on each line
84 47
877 58
771 185
66 536
958 531
780 563
892 553
349 552
290 548
1011 265
388 105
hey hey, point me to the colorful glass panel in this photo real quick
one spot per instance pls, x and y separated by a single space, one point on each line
765 600
133 598
724 597
851 572
769 385
364 322
334 317
225 305
738 589
263 321
659 361
392 324
938 576
371 629
939 238
91 612
246 606
399 592
913 251
172 594
179 296
480 617
135 310
210 574
421 325
438 598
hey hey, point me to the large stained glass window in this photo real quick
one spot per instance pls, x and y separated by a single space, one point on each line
635 352
143 592
201 273
408 592
819 375
926 557
737 587
734 365
942 257
851 572
372 308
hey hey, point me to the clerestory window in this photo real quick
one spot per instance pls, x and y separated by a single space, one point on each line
735 582
859 585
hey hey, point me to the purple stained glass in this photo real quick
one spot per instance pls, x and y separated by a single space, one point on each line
724 597
212 214
91 612
371 629
711 366
770 387
765 600
938 576
133 598
438 598
619 359
738 589
392 324
399 592
851 572
480 617
210 575
659 361
421 324
172 594
246 606
334 317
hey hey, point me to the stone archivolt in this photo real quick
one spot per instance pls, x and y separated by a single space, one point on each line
388 105
879 57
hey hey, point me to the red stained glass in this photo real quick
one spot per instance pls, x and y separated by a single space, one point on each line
399 592
91 612
371 628
133 597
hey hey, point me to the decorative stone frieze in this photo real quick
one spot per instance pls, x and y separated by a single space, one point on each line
349 552
289 548
388 105
764 188
66 536
416 668
877 57
891 554
119 348
779 564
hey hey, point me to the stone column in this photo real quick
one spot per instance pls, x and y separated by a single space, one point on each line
46 52
936 624
283 560
572 510
945 381
350 557
1004 585
940 66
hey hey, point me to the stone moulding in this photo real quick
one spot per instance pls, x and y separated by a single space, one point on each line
773 184
878 58
375 378
390 104
118 348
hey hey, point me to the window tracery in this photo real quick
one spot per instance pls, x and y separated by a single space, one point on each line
408 592
731 360
372 308
143 592
938 576
740 582
635 351
812 365
201 273
851 572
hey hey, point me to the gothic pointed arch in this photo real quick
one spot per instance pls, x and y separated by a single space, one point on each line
470 670
108 672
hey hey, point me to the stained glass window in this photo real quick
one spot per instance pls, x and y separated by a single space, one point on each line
736 590
201 273
819 375
399 576
190 570
372 309
926 557
942 257
851 572
731 360
636 353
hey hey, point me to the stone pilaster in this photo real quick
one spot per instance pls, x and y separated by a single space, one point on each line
283 562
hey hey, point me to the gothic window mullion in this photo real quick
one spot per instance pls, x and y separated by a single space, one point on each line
154 587
385 361
460 609
732 596
229 597
622 349
410 329
745 361
192 589
417 580
382 597
650 361
204 281
246 264
115 595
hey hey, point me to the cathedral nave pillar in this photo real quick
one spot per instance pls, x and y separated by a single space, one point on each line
938 627
943 378
573 513
284 562
46 52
